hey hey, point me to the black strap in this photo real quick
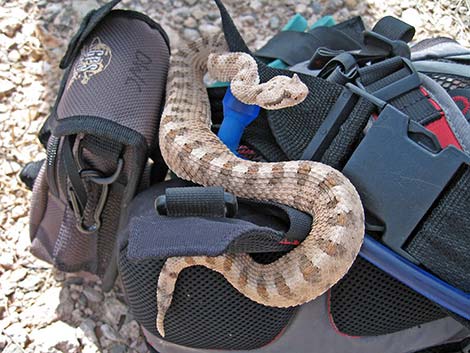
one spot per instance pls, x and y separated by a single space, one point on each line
384 81
394 29
294 47
72 170
388 38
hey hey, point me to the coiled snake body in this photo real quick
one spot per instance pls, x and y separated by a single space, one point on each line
194 153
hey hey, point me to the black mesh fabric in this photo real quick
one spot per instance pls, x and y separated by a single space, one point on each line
220 317
450 82
441 240
206 312
369 302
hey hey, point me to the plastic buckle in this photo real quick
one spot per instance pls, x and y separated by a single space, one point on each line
345 102
396 47
398 178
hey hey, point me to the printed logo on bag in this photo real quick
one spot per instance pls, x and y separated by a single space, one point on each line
94 58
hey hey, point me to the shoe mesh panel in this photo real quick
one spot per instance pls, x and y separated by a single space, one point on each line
207 312
369 302
450 82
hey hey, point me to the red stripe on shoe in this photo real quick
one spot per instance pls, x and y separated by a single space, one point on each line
441 127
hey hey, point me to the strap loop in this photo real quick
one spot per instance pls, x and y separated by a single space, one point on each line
197 201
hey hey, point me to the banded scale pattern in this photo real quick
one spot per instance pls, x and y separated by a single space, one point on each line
194 153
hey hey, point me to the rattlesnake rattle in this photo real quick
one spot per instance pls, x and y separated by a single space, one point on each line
194 153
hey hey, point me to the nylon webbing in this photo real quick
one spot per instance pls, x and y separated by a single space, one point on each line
413 103
394 29
72 170
442 242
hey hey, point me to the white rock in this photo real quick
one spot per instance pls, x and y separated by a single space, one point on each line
13 348
82 7
59 335
3 341
18 274
255 5
412 17
6 87
43 311
17 333
207 29
92 295
113 310
198 13
190 34
31 282
110 333
182 12
190 22
445 22
7 260
14 56
88 330
248 20
300 8
118 348
274 22
7 42
130 330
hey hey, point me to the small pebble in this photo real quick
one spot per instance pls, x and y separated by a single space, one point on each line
118 348
190 22
274 22
190 34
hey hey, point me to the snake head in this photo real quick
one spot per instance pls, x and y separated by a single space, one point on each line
281 92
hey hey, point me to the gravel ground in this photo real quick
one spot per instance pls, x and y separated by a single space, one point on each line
42 310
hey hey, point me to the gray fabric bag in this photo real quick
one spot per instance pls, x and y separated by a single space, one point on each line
99 137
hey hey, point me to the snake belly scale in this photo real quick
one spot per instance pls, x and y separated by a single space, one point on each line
194 153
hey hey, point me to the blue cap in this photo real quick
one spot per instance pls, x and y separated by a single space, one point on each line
237 116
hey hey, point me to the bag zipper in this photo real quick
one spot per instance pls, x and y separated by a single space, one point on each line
52 150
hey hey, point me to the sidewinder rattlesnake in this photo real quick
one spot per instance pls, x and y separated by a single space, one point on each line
194 153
